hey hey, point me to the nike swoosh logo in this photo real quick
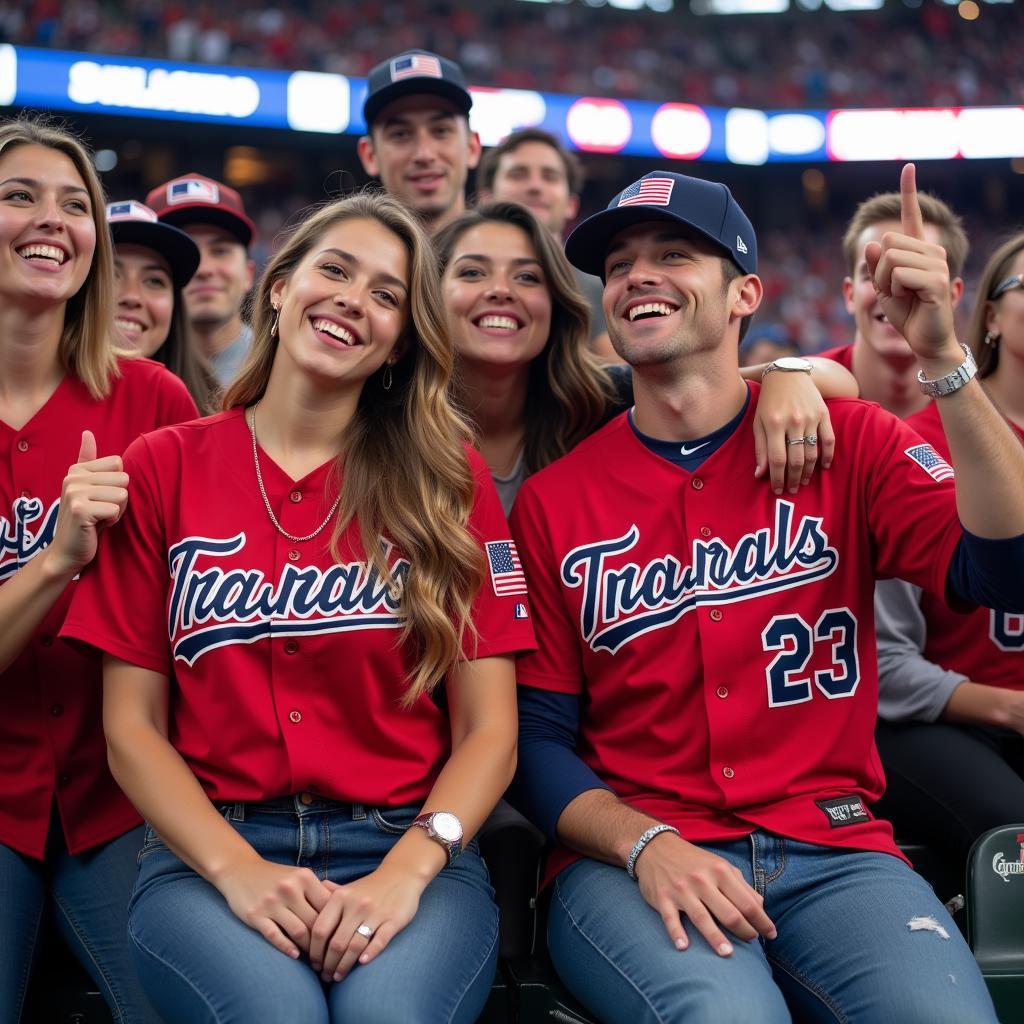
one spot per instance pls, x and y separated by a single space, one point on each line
683 450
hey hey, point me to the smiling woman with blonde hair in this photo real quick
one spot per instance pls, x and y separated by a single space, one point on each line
68 836
334 714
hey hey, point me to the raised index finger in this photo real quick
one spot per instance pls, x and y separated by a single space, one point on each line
910 209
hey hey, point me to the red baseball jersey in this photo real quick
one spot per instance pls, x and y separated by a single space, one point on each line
986 646
841 354
722 638
285 666
51 733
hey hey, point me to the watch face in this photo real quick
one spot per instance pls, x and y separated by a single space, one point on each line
792 363
447 826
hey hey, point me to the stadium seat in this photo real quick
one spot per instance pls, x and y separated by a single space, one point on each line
995 916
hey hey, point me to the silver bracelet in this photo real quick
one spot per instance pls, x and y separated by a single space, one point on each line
952 381
641 843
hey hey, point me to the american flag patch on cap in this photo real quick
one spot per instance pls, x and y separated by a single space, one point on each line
192 190
647 192
415 65
129 210
507 576
931 462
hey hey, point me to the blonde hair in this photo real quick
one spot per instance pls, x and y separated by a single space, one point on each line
406 474
996 270
569 394
88 346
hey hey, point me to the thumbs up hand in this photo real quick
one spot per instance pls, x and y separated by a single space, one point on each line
911 279
94 495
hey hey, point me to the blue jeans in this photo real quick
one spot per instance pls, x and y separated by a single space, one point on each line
200 964
89 895
845 950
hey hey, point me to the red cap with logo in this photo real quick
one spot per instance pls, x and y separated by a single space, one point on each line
196 199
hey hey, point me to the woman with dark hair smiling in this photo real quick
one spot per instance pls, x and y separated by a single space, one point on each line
527 375
153 262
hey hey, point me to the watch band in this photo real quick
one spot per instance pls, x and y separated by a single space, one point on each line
952 381
452 846
788 364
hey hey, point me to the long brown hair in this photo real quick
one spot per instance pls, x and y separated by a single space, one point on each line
406 474
997 270
568 391
88 345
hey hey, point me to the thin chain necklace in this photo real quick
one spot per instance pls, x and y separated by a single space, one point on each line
266 500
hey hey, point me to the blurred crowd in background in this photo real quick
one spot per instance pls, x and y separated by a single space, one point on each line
897 56
929 56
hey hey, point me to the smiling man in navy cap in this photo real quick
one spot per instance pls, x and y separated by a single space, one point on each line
419 142
696 726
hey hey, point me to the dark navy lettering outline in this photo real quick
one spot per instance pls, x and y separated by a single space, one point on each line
17 540
768 560
1006 631
243 606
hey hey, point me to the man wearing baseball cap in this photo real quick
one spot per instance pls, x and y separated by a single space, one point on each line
418 139
213 215
696 727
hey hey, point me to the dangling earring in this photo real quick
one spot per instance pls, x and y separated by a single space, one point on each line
273 326
387 377
990 339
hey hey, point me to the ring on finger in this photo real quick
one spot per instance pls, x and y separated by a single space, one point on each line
811 439
366 931
797 440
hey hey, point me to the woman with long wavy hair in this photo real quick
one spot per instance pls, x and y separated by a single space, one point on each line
68 397
333 715
532 385
951 686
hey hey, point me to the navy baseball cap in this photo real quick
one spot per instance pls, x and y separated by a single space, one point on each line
414 73
707 207
133 223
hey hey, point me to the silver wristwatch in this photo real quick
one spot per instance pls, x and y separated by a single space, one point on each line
952 381
444 828
788 364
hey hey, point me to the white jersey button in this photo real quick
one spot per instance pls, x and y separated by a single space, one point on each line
728 772
295 716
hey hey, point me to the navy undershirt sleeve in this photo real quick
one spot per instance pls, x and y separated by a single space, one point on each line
550 774
989 573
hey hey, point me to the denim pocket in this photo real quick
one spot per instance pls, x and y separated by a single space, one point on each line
151 842
393 821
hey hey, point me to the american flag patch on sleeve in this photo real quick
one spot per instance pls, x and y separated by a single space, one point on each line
931 462
507 576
